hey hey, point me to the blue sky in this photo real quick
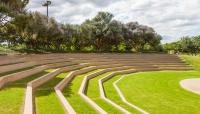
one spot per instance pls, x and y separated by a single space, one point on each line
170 18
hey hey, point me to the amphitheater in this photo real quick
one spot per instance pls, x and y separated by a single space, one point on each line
21 70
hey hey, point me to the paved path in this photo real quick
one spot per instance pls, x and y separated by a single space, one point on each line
192 85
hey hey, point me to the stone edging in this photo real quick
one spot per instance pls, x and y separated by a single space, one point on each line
41 80
59 87
13 67
87 78
102 93
83 88
124 99
102 80
20 75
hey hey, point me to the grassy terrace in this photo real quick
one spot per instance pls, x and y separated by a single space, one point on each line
193 60
112 94
94 94
71 94
160 92
12 96
45 97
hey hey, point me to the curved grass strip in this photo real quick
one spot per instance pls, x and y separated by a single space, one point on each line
83 87
29 102
94 93
12 95
76 101
160 92
102 93
60 87
124 99
45 98
113 95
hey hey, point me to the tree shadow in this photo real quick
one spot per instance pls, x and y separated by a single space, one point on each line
48 88
67 92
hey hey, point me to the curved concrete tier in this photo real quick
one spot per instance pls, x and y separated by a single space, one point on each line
79 64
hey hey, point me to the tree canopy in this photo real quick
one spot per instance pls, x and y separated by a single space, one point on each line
187 44
101 33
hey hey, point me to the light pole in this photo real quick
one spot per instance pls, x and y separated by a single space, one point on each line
46 4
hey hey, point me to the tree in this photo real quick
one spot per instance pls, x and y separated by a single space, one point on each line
190 45
137 36
8 10
100 33
113 36
100 25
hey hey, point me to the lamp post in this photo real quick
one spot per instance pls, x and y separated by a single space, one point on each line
46 4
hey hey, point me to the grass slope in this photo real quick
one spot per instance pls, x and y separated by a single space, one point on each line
160 92
45 98
193 60
12 96
76 101
94 94
112 94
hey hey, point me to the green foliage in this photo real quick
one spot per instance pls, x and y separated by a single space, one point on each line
99 34
192 60
187 44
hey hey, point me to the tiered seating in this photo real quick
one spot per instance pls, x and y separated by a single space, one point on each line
92 70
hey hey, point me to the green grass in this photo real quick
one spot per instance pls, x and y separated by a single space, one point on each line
94 94
45 97
160 92
193 60
12 96
77 102
112 94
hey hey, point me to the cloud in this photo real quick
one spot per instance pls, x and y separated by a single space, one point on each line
172 18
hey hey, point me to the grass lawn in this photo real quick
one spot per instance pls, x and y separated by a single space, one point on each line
160 92
112 94
76 101
94 94
193 60
45 97
12 96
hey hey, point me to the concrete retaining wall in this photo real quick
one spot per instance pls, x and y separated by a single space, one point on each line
68 108
39 81
20 75
13 67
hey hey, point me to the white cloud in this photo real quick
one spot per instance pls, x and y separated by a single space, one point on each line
172 18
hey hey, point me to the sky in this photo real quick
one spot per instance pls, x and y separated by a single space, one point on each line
172 19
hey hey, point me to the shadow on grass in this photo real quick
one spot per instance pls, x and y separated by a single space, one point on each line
67 92
48 88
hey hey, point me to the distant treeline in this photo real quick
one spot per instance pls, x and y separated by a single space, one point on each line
190 45
32 30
